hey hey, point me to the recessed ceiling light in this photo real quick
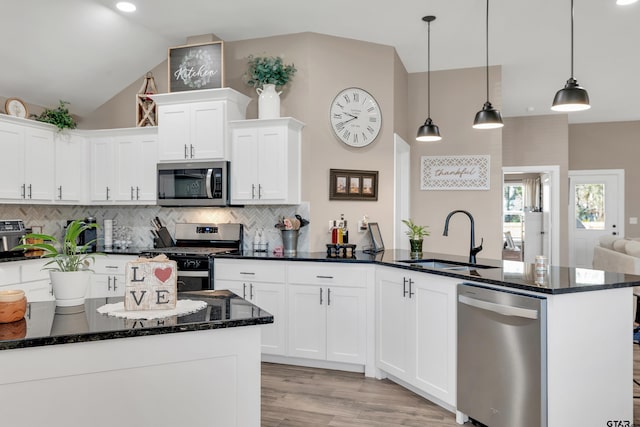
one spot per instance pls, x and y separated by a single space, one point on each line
625 2
125 6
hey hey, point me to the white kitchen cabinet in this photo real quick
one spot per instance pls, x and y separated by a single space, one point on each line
123 166
262 283
108 279
70 170
265 155
327 312
26 172
416 330
28 276
193 125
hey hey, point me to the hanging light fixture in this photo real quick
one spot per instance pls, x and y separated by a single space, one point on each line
572 97
488 117
428 132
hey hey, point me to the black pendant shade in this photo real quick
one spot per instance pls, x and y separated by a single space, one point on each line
572 97
488 117
428 132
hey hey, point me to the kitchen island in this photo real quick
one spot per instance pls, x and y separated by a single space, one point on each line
77 367
389 315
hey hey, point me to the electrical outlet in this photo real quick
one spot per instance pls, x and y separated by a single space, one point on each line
633 220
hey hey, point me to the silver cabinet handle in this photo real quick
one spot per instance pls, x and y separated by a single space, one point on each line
23 191
505 310
60 192
112 266
109 283
107 193
29 190
191 150
411 293
249 273
132 192
328 296
186 154
251 291
137 193
404 287
320 296
324 277
244 290
115 286
259 191
253 191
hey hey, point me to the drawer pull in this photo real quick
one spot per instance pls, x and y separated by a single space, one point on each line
249 273
112 266
328 296
324 277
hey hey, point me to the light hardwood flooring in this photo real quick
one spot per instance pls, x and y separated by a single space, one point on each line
296 396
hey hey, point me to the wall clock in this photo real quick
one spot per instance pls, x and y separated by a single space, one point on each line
16 107
355 117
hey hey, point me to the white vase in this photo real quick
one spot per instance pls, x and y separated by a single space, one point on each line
268 102
69 287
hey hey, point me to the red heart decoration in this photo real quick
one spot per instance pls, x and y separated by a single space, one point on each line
162 273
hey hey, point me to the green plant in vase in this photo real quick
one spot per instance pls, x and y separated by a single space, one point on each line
416 234
59 117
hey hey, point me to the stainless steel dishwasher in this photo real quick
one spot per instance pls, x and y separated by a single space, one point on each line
501 357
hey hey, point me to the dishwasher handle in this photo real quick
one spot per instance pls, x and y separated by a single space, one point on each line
505 310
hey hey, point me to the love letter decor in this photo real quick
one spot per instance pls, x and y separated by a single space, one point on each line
151 284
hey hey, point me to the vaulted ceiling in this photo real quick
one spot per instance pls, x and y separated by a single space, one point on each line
86 51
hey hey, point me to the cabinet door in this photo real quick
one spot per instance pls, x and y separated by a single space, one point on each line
272 164
392 323
40 290
39 163
69 165
128 158
207 131
147 181
434 335
272 298
238 288
307 321
173 132
12 164
346 324
244 165
106 285
102 169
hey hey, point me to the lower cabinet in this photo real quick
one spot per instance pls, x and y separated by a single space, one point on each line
262 283
416 330
108 279
29 277
327 312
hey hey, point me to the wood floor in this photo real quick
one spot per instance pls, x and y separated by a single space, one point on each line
309 397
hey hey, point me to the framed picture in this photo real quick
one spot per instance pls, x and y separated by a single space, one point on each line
347 184
376 238
195 67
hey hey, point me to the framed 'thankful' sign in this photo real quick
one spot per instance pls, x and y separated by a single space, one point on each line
196 67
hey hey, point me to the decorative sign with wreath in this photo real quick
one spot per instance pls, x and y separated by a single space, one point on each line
196 67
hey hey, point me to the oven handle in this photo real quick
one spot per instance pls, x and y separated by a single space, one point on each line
209 177
193 273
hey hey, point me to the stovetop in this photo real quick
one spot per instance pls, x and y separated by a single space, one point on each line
190 251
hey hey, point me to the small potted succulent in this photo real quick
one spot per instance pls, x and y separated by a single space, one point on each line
416 235
267 74
69 267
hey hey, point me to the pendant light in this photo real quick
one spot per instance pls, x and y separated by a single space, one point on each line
488 117
572 97
428 132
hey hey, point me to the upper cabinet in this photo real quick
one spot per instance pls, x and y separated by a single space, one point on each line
123 166
70 168
265 161
192 125
26 169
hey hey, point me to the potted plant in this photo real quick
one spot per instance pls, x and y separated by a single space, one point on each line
416 234
69 265
60 117
267 74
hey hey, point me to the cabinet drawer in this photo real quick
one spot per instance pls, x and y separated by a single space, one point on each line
9 273
32 270
111 264
316 273
259 271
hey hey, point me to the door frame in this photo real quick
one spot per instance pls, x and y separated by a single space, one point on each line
554 175
401 189
619 173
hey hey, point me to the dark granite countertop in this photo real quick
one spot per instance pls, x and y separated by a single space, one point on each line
45 324
133 250
510 274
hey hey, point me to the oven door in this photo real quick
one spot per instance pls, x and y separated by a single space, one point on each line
193 184
193 281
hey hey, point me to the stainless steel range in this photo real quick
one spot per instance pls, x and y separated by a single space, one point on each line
195 245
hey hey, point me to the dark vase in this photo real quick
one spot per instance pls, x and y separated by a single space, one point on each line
416 245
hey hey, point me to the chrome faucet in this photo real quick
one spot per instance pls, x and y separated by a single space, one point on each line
473 250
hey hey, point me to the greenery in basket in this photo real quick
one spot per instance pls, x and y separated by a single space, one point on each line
415 232
60 117
268 70
70 256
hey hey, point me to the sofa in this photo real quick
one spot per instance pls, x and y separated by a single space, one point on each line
619 255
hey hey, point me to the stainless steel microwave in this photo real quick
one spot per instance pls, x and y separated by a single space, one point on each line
193 184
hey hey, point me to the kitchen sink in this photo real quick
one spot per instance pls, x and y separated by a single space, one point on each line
438 264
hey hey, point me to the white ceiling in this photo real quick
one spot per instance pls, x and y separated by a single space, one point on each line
85 51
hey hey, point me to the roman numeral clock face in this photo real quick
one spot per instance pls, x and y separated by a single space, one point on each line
355 117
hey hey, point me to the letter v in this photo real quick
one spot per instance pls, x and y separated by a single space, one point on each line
138 301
